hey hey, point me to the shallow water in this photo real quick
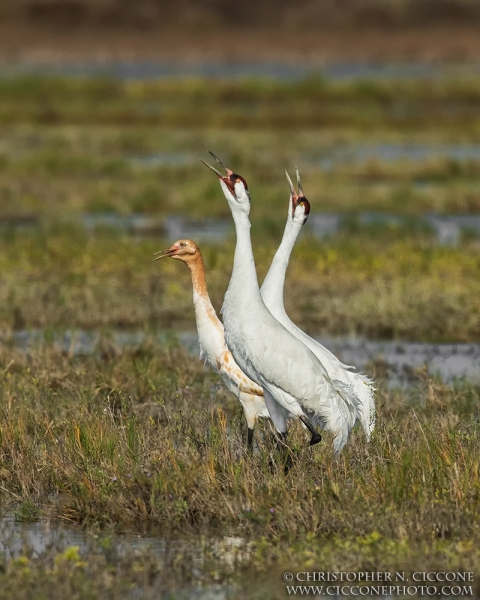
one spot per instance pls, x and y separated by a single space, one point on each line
390 153
162 159
41 536
403 360
446 230
177 227
132 224
38 540
145 70
340 154
399 362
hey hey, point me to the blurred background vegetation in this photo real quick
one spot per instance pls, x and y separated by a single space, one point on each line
106 107
98 173
316 13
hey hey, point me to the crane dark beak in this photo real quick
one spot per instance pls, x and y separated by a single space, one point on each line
217 173
227 170
300 197
225 178
292 189
299 183
165 253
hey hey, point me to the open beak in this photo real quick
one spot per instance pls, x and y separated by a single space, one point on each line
225 178
226 169
299 183
300 197
165 253
292 189
217 173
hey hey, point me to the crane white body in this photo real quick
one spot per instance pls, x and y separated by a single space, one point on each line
294 381
215 352
272 292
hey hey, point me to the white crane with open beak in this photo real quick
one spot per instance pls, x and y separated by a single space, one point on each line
272 292
294 381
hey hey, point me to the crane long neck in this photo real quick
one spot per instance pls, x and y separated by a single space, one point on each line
201 300
273 285
244 276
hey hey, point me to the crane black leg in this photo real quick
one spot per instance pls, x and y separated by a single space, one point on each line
249 439
316 437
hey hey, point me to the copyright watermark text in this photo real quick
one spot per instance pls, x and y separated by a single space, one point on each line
379 583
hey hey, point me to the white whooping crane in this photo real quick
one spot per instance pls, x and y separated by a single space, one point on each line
211 336
272 294
294 381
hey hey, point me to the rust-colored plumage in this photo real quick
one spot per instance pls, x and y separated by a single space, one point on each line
211 335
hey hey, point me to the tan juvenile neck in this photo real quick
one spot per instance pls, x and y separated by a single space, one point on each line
197 271
204 311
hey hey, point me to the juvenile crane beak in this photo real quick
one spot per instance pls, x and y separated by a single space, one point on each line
165 253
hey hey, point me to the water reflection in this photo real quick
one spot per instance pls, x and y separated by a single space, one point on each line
401 360
42 536
216 554
390 153
146 70
446 230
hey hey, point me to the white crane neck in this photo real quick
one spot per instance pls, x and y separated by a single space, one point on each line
274 283
244 276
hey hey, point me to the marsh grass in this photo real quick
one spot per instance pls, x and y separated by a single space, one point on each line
250 103
71 145
377 284
65 171
148 436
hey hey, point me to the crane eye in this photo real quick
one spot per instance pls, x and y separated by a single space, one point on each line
182 245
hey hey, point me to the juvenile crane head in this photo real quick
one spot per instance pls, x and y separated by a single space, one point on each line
184 250
234 186
299 206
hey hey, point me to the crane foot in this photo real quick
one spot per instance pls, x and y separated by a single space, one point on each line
316 437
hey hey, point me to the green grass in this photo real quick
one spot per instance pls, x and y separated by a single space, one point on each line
71 145
380 286
250 103
63 170
146 436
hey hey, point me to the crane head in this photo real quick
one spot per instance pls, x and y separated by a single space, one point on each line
299 208
184 250
233 184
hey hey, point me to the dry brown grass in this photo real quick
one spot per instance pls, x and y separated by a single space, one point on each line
145 436
55 41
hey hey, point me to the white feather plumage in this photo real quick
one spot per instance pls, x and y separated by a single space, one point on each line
357 388
293 379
